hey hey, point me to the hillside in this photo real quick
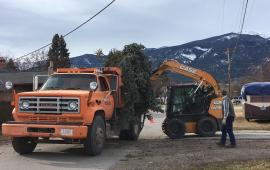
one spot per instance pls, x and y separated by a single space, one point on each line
207 54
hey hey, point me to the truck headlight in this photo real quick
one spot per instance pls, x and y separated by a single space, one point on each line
25 105
73 105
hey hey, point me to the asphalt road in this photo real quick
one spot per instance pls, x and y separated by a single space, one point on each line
57 156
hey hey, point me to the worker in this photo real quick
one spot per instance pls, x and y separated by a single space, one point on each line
227 122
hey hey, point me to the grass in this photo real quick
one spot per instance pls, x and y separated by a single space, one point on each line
237 165
242 124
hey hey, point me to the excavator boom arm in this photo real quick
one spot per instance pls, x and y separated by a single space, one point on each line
187 71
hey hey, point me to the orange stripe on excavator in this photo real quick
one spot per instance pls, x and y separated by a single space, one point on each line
187 71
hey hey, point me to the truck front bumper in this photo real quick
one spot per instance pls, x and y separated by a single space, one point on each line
16 129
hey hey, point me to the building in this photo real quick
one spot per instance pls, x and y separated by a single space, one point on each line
22 81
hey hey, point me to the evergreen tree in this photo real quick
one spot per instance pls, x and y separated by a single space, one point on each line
136 71
58 53
10 65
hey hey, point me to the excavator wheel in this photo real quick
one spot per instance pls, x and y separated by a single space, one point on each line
207 127
175 128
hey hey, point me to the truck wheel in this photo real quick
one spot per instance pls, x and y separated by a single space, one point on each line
96 135
134 131
23 145
175 128
131 134
206 127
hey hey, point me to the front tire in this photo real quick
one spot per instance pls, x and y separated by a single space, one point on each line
23 145
175 128
96 136
207 127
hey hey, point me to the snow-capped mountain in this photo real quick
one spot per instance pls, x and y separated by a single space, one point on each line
207 54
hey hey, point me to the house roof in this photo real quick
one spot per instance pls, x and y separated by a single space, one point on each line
20 78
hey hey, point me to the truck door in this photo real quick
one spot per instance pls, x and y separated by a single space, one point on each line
107 101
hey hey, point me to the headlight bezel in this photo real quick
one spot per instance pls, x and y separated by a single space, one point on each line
73 105
25 105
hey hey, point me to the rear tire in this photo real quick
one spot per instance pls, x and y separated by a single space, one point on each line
131 134
175 128
23 145
207 127
134 131
96 136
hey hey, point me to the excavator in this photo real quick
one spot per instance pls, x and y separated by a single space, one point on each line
191 108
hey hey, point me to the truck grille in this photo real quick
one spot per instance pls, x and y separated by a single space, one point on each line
48 105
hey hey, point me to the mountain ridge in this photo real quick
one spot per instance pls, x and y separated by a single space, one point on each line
206 54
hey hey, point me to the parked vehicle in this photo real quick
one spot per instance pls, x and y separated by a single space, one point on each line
73 106
256 97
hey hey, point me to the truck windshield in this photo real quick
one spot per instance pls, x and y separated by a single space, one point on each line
69 82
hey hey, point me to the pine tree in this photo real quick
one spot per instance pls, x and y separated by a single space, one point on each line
10 65
58 53
136 71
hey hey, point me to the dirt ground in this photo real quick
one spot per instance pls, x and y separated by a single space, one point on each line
155 151
191 153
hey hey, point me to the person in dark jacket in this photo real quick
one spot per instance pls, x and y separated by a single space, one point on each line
227 122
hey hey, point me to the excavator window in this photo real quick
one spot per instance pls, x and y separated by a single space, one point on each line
184 101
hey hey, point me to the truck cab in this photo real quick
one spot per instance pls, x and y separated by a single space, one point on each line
72 106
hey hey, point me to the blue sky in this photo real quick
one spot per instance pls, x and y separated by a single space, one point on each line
29 24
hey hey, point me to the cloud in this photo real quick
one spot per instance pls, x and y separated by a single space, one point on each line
29 24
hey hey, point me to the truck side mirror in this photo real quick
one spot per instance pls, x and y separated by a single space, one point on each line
93 86
9 85
36 82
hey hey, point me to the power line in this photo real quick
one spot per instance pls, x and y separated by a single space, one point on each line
241 28
244 6
70 32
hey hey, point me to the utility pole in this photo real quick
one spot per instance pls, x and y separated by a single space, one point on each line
229 72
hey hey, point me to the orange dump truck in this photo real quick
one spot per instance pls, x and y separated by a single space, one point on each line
73 106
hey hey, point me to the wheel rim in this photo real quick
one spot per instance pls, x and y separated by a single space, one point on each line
99 137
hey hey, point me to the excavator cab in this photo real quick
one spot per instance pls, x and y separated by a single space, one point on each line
183 101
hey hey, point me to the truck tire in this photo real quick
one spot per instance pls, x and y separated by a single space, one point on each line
96 136
207 127
23 145
132 133
175 128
